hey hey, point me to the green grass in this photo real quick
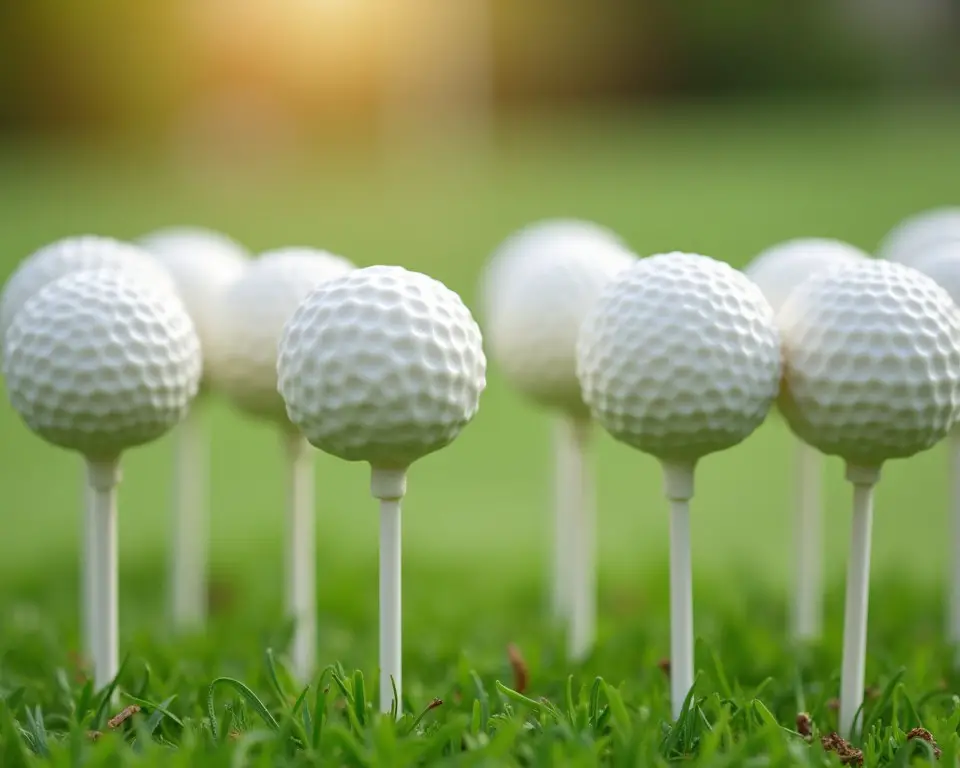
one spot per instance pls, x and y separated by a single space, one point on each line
724 182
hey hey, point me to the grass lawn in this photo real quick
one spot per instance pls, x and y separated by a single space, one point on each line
724 182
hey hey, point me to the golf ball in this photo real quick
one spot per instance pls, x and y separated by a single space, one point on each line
917 234
680 357
71 255
381 365
942 263
255 308
202 264
99 361
780 269
535 292
871 362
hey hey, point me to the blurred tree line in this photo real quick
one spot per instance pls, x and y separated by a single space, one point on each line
121 66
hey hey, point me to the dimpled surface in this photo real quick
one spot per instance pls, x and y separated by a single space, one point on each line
680 357
536 290
871 362
98 362
382 365
255 308
202 264
915 235
780 269
73 254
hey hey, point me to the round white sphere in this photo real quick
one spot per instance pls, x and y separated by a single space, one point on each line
535 292
73 254
256 306
917 234
202 264
778 270
680 357
99 362
942 263
382 365
871 362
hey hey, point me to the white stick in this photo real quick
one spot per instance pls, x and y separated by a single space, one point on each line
89 609
564 450
389 486
953 628
678 487
103 477
188 562
858 585
301 556
808 526
581 560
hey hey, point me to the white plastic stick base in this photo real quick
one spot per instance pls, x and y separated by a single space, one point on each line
188 562
864 479
953 608
103 477
301 556
807 624
678 488
389 485
579 562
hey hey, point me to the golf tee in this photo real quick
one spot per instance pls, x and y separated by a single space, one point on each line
103 477
808 527
301 556
678 488
389 486
864 479
564 465
953 612
188 563
580 562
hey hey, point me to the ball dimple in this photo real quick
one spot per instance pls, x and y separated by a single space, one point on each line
254 310
127 375
872 362
393 381
535 292
680 357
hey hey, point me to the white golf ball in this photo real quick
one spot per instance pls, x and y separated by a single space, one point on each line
942 263
73 254
202 264
99 362
255 308
917 234
781 268
680 357
535 292
871 362
382 365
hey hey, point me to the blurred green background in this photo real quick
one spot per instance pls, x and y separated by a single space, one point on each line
424 136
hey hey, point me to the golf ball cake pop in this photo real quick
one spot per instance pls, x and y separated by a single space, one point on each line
680 358
99 362
912 238
385 366
73 254
535 291
778 271
781 268
871 373
256 307
202 264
